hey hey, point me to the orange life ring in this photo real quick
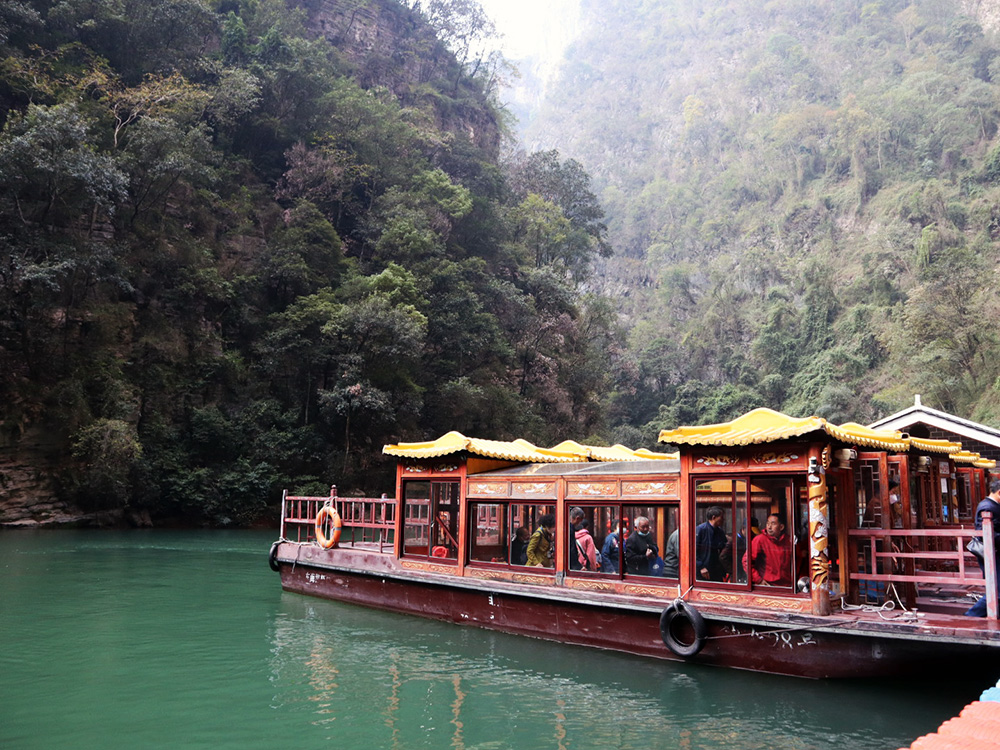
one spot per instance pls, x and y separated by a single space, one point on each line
335 527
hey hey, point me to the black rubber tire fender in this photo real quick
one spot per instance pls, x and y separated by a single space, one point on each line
673 616
272 558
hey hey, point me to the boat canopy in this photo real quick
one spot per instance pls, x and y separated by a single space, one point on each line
767 425
935 446
519 450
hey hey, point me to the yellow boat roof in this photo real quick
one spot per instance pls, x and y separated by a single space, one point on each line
617 452
971 457
456 442
767 425
519 450
935 446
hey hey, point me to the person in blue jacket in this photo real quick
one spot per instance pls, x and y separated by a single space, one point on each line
609 552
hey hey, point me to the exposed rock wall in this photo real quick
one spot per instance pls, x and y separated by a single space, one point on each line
391 46
987 12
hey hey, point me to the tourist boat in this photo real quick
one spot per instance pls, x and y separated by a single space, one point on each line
871 579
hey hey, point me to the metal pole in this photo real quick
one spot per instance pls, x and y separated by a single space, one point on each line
284 494
990 561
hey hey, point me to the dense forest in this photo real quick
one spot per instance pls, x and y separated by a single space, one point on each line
804 198
245 243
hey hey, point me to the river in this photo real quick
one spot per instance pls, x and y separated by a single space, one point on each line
184 639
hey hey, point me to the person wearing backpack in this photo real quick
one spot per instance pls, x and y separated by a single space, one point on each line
586 550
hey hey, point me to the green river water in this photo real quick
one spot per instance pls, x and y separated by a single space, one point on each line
181 639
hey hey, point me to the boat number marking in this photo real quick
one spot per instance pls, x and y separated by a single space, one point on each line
783 638
491 601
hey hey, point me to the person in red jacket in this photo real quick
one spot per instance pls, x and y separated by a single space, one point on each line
769 559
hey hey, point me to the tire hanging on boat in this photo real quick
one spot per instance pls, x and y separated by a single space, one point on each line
272 557
672 618
324 541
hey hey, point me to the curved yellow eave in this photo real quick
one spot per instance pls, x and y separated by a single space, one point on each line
455 442
767 425
934 446
758 426
856 434
519 450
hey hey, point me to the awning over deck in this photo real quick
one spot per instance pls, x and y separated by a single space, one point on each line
767 425
519 450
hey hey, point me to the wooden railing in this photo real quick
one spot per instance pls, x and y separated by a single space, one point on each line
925 556
366 520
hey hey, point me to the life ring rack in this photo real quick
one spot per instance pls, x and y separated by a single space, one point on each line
336 526
673 617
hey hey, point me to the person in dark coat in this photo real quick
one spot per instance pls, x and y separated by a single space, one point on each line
709 541
989 503
640 549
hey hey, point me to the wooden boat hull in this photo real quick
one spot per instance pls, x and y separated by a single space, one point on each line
795 646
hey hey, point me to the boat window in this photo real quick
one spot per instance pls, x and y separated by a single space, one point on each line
416 517
868 491
729 513
444 520
662 521
522 522
430 519
488 532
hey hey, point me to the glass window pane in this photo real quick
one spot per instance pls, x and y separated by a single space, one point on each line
416 510
532 531
488 532
714 504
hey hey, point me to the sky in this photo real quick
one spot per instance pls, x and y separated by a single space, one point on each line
540 29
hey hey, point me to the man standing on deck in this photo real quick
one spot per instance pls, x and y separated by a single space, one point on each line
769 560
989 503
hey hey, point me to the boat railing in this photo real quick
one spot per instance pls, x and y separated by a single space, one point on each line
923 557
366 520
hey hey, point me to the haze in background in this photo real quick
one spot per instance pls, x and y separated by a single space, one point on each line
536 34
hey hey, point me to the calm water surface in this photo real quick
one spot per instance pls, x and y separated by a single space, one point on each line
146 639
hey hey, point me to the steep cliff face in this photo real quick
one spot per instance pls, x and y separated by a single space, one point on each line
391 46
987 12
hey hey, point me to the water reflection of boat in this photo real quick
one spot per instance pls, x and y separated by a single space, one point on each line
405 683
869 518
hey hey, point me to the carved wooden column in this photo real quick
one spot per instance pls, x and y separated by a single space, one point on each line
819 530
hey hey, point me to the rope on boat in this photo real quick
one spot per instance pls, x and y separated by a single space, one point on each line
881 609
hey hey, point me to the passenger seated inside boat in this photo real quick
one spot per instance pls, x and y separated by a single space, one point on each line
540 548
641 550
769 560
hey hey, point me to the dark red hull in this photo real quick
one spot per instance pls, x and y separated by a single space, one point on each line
795 645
